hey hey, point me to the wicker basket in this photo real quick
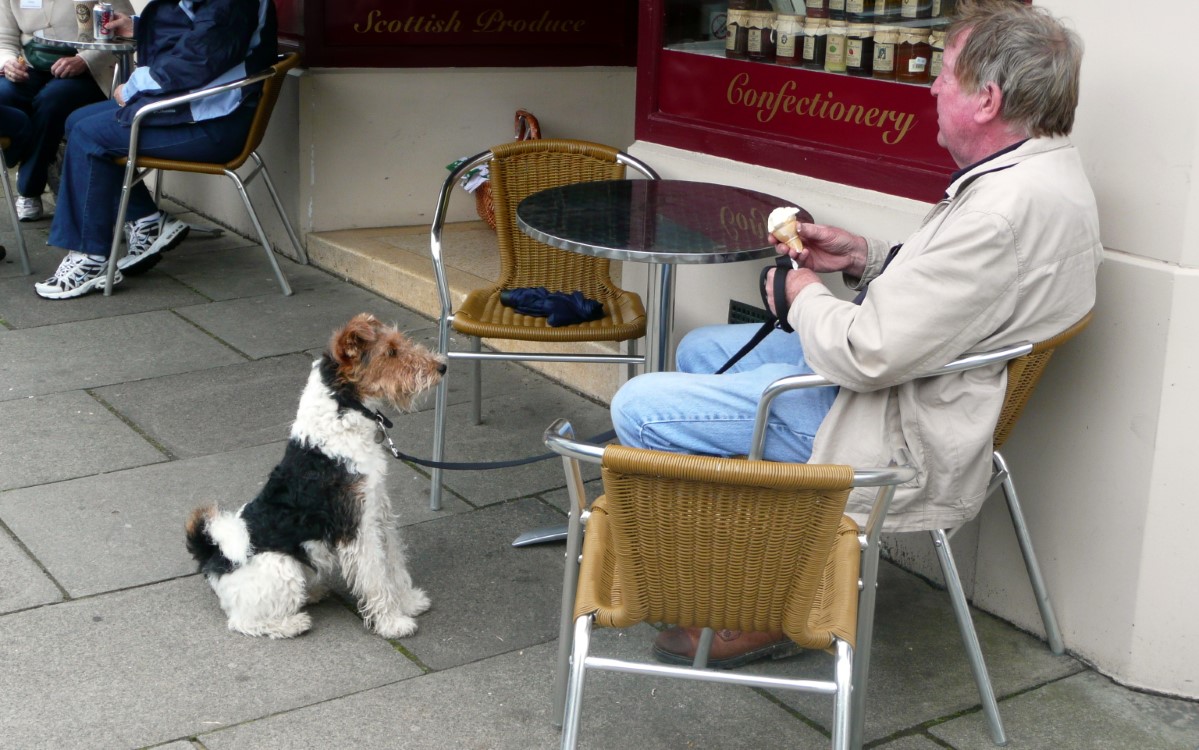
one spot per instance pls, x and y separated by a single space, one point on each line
527 129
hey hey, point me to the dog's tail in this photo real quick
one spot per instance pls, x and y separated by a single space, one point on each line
204 545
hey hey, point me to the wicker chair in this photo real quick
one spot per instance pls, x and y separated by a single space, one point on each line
26 269
719 543
138 167
1025 364
517 170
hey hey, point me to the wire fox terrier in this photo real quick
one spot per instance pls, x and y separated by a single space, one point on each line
324 509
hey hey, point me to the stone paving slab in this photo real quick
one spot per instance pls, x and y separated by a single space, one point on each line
136 294
488 597
513 427
24 583
157 664
917 643
125 528
269 325
94 353
39 434
221 268
503 703
1084 712
198 413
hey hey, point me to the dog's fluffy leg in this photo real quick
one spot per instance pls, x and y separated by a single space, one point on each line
413 601
321 580
371 577
264 596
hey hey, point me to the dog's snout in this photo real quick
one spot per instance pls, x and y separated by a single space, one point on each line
441 368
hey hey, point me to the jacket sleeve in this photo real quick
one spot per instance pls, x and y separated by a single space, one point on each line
948 294
218 40
10 32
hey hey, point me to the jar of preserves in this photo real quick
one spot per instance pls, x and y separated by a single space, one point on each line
888 11
815 41
736 44
759 44
944 8
817 8
912 55
859 11
859 49
936 44
788 39
836 10
911 10
885 40
834 51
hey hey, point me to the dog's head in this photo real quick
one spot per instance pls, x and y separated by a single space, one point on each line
380 363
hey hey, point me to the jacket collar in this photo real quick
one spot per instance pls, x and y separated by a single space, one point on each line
1004 158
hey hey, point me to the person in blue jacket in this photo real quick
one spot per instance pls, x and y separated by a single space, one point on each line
182 46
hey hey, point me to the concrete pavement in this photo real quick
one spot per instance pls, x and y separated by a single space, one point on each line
121 414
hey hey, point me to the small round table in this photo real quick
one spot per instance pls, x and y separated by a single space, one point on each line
663 222
122 47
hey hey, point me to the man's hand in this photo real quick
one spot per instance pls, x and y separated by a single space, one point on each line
827 249
118 94
120 25
796 281
68 67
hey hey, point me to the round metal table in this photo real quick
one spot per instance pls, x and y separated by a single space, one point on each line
662 222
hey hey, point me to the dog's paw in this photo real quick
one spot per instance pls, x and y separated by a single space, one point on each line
282 627
393 626
416 602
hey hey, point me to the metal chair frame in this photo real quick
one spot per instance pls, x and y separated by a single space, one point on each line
851 667
137 167
476 355
1037 355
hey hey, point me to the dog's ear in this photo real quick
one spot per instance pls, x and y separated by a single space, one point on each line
357 336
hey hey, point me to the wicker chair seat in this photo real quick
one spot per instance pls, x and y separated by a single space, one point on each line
483 315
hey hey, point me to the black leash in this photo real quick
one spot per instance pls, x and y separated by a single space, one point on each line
782 266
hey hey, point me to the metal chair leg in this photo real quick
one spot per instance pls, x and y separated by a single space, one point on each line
974 654
867 597
570 584
842 705
266 244
574 692
301 253
1052 632
9 199
476 382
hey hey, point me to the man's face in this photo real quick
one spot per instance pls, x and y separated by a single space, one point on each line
956 109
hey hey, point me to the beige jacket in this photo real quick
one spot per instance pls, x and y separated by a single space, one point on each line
1010 255
17 25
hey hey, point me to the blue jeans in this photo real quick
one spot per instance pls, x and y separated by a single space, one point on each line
15 126
692 411
90 192
47 101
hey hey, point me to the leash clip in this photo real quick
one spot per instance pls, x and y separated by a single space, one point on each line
381 434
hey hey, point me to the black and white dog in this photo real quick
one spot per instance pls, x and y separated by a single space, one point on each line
324 509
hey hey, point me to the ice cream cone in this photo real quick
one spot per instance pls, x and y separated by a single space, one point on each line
789 233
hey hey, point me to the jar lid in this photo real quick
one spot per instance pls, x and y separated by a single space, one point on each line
839 25
861 29
815 23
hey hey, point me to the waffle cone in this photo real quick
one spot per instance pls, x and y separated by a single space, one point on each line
789 234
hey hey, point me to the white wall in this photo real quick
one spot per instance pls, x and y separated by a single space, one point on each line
1102 456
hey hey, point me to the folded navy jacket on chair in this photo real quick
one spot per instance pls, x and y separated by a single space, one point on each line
562 308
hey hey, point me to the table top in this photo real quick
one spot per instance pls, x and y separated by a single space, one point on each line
656 221
73 38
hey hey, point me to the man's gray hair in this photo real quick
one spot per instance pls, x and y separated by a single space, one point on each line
1030 55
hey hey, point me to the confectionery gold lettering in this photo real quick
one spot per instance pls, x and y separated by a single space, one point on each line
487 22
768 104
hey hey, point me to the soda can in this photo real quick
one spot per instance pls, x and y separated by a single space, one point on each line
100 16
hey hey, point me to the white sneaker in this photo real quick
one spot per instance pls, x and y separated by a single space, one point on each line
77 275
147 238
29 209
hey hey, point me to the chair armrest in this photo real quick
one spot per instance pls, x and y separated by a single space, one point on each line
796 382
439 214
174 101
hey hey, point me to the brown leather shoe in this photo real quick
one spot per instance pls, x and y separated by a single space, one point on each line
730 648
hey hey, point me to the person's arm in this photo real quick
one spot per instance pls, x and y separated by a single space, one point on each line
219 39
937 302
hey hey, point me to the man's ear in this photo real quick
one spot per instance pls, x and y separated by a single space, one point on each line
990 104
